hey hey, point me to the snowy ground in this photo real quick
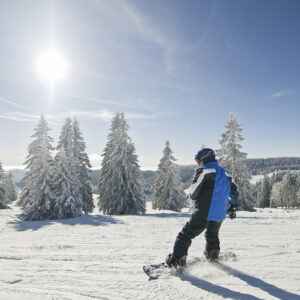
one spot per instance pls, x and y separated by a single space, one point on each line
256 178
101 257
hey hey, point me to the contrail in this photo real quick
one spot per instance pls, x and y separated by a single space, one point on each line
103 101
16 104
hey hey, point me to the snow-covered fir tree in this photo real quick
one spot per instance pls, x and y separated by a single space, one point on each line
289 184
83 166
2 174
276 177
120 188
167 191
264 193
3 198
298 192
37 198
232 159
68 202
10 187
277 195
3 193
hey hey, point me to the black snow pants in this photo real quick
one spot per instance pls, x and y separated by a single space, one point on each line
196 225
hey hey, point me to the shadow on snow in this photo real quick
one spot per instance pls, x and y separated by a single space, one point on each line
90 220
216 289
250 280
168 215
259 283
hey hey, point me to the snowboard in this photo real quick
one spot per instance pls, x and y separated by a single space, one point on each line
154 271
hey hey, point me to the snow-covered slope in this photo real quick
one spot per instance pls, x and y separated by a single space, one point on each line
101 257
256 178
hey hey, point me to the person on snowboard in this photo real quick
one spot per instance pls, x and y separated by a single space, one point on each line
211 189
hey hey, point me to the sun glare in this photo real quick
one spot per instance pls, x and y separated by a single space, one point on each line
51 65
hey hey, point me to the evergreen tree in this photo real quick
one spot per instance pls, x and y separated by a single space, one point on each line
232 159
277 195
289 189
167 192
3 196
2 174
37 197
297 200
264 193
68 202
10 187
276 177
295 188
120 189
83 170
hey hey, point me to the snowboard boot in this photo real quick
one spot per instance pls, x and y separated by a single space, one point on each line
212 255
176 262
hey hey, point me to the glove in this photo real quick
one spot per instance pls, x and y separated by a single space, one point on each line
231 211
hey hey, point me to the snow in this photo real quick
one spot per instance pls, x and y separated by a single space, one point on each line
257 178
101 257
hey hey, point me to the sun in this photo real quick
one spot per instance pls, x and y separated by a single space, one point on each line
52 65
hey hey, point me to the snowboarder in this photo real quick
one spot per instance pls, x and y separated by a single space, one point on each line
211 189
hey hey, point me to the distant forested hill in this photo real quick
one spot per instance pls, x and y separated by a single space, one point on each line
268 165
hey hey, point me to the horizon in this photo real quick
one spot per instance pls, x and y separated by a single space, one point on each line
22 167
176 69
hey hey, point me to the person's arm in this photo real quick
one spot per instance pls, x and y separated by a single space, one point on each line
197 183
233 198
234 194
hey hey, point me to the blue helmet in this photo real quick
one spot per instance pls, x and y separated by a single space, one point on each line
206 155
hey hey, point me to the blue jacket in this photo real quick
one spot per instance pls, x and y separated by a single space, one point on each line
212 188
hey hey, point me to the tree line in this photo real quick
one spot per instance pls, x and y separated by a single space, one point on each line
269 165
8 189
281 189
59 186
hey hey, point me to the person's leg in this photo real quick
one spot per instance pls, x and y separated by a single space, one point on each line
191 229
212 248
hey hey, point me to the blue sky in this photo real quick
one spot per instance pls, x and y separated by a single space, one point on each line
176 68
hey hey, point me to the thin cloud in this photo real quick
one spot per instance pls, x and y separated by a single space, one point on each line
134 21
206 29
16 104
104 101
103 115
281 93
153 34
20 117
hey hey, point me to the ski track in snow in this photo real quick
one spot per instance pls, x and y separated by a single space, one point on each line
101 257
